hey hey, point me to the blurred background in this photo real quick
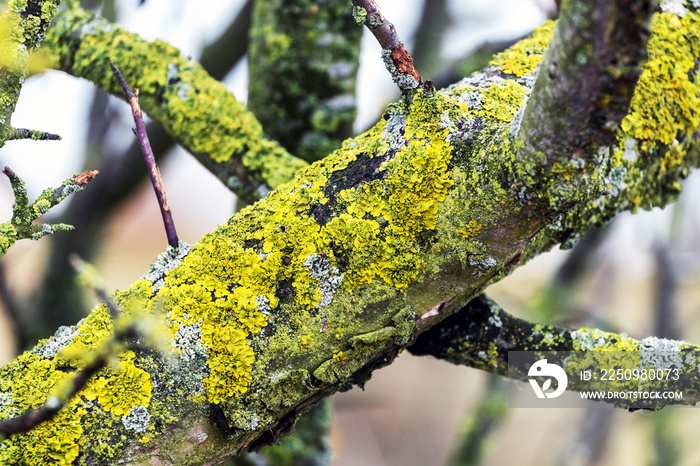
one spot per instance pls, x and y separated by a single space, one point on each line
639 275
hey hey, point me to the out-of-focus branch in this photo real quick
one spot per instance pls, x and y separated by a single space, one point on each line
194 108
427 42
219 57
303 63
22 28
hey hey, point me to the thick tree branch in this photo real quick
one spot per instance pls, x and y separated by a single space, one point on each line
195 109
582 93
329 276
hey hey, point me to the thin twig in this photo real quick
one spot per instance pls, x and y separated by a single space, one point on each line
53 405
156 179
396 58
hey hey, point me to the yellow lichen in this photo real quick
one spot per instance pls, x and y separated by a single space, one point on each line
472 229
667 97
118 393
502 101
523 57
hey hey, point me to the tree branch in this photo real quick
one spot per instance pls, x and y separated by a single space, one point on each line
195 109
582 93
396 59
21 225
481 334
153 171
303 62
22 28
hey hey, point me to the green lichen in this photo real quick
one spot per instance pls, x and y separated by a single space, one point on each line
359 14
303 60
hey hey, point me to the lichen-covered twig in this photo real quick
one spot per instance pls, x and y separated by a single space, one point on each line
582 93
195 109
154 172
23 214
396 58
22 133
482 334
303 62
87 275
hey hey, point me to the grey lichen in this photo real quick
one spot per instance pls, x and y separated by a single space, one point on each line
63 336
329 277
660 353
164 263
137 419
394 131
404 81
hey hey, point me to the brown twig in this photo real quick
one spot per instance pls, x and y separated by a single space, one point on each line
156 179
396 58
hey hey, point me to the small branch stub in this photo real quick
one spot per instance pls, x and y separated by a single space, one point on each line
396 58
156 179
23 133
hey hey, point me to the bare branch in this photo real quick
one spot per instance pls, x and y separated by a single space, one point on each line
156 178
